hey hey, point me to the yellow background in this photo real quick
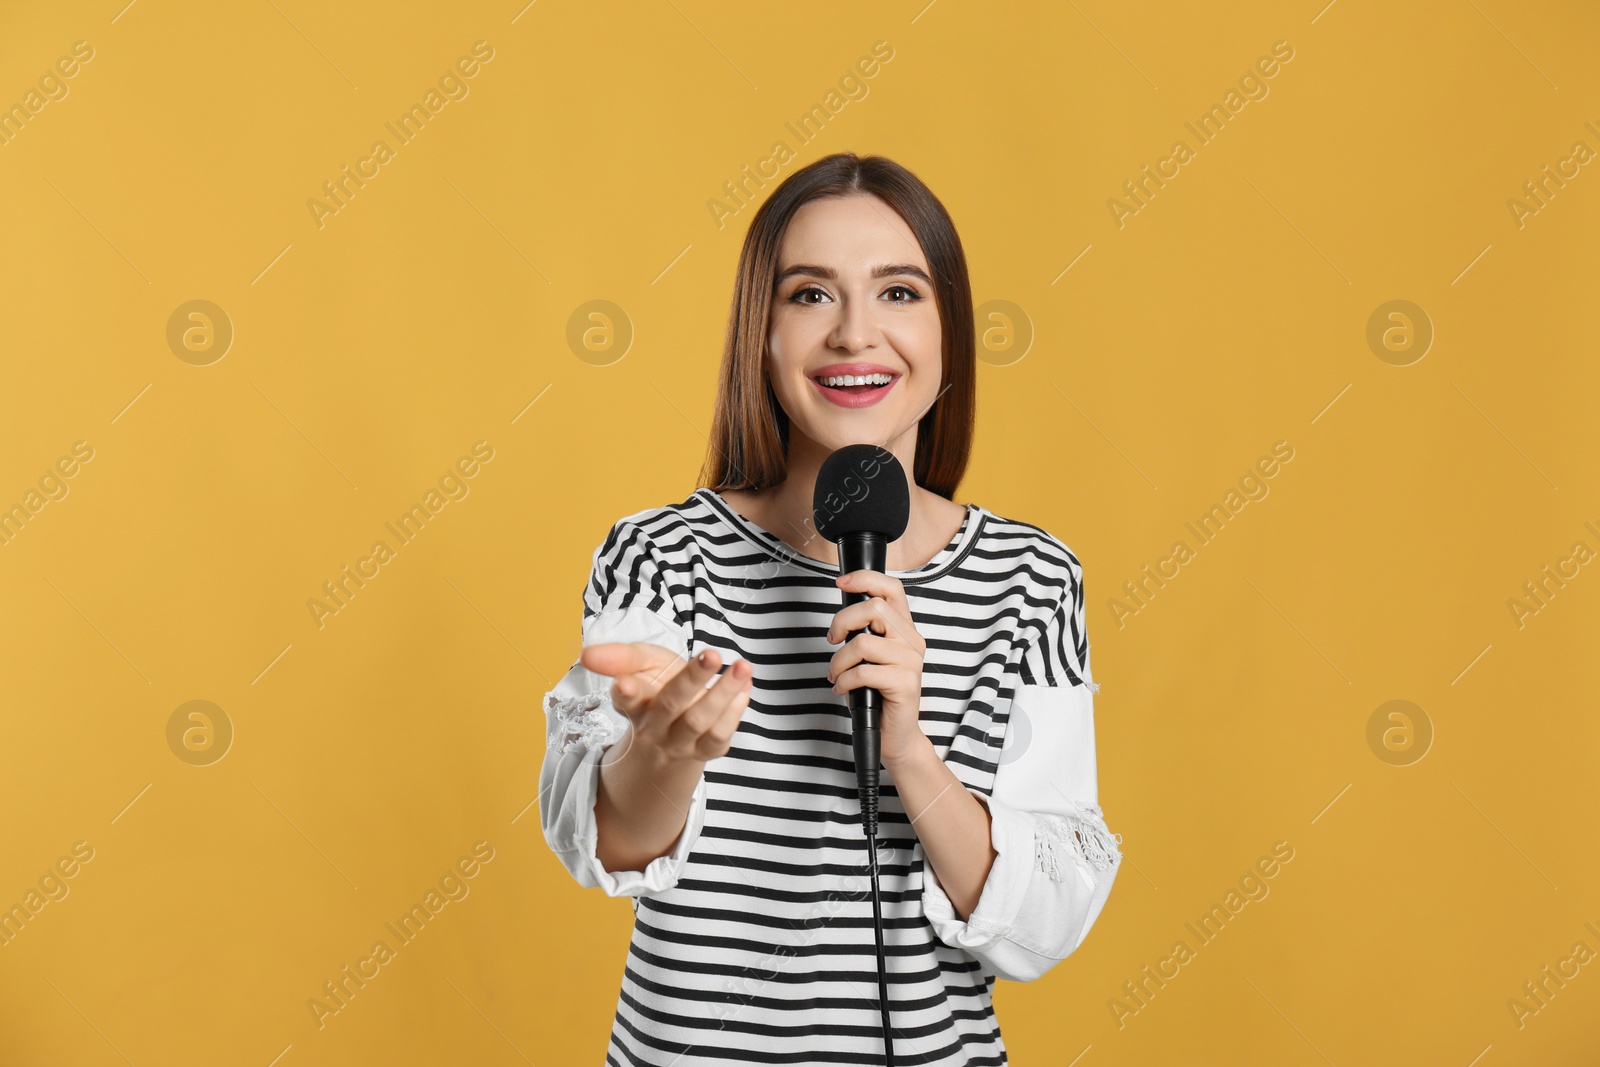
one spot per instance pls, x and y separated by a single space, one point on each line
369 354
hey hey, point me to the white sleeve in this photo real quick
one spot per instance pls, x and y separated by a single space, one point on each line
1055 858
626 600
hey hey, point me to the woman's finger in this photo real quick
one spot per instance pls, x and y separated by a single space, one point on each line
687 731
679 693
883 677
634 688
869 648
876 583
616 658
719 738
875 614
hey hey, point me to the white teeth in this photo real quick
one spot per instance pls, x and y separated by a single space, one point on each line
856 379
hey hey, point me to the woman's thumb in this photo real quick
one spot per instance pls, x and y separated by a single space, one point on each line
617 658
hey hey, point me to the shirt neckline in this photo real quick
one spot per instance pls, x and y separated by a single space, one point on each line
942 561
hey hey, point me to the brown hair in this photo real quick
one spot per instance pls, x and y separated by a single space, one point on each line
749 429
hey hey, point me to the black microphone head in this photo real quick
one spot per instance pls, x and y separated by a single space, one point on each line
861 489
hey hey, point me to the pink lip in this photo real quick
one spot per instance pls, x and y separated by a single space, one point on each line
846 399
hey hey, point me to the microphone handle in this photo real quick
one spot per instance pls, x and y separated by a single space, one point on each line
864 551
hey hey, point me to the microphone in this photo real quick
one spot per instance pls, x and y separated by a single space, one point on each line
861 502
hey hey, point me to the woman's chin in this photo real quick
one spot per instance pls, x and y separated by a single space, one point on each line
832 430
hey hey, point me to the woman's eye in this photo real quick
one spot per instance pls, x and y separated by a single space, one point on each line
803 295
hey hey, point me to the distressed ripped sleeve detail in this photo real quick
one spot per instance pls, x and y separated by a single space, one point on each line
1055 858
582 720
1080 837
1049 881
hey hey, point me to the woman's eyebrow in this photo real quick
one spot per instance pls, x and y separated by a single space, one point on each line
884 270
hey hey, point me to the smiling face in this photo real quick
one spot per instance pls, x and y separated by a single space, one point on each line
854 338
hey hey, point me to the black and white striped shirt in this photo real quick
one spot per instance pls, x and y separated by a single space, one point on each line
753 938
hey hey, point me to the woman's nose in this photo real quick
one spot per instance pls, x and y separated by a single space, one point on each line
856 327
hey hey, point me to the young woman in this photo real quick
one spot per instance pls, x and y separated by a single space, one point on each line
724 801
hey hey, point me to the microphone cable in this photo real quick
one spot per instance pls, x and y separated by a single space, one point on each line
867 783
